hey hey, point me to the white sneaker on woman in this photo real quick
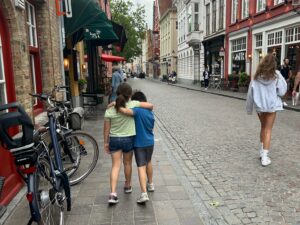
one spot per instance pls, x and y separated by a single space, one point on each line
265 159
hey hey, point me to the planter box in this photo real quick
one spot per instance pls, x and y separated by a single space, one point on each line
243 89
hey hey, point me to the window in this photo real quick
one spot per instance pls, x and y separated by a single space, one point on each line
189 18
30 12
276 2
238 44
292 35
207 18
234 6
275 38
260 5
3 98
221 14
196 17
258 40
245 8
214 16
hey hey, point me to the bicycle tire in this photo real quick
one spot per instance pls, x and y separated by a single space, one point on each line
45 200
86 150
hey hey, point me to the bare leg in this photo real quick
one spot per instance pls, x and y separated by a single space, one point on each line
149 170
266 130
127 161
115 169
142 178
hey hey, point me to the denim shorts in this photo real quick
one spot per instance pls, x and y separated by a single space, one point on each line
121 143
143 155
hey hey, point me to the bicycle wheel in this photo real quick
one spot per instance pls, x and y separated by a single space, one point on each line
85 152
47 201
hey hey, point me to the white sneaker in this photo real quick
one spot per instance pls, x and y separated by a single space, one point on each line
150 187
265 160
143 198
285 104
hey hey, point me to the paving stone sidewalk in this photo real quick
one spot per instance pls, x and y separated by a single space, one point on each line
172 202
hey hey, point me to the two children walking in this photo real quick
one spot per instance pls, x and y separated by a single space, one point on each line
128 127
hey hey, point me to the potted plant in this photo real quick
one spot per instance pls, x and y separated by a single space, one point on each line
82 83
243 82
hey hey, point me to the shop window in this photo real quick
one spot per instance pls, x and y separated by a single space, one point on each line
189 18
221 14
207 18
245 8
276 2
258 40
260 5
3 98
238 48
214 16
292 35
234 7
30 16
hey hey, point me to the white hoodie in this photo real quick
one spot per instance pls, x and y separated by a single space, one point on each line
265 95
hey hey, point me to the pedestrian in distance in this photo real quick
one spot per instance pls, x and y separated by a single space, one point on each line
295 92
116 80
264 94
143 144
119 131
286 72
206 76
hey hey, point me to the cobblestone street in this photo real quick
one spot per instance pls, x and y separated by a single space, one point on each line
216 146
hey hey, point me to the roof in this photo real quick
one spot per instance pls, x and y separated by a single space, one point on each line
164 5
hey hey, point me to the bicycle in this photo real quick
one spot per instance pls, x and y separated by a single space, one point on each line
48 188
79 150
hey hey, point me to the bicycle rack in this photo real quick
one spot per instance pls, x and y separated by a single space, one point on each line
2 207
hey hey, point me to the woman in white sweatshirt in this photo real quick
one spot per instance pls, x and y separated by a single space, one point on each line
264 94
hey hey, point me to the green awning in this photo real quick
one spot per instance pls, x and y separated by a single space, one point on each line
89 18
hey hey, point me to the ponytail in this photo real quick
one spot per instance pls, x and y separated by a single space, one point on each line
120 102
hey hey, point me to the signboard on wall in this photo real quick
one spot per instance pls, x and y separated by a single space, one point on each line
239 56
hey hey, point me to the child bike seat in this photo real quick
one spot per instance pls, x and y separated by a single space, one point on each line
12 115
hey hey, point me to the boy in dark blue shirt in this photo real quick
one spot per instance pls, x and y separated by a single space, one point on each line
143 144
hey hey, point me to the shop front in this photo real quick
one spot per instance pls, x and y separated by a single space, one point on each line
12 180
238 56
281 39
213 59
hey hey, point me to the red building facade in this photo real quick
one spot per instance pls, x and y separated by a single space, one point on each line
255 28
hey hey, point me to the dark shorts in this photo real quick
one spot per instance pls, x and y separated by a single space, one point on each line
125 144
143 155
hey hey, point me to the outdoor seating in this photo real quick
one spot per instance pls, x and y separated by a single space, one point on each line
215 81
90 101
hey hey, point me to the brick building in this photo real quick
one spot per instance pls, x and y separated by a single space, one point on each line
30 61
255 28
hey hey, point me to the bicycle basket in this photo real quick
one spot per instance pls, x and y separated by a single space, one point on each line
9 119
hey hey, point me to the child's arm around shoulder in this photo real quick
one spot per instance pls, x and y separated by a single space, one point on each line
126 111
146 105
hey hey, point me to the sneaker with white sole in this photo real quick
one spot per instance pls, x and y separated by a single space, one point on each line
265 159
113 199
150 187
127 190
285 104
143 198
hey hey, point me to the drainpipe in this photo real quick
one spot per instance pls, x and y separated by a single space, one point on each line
62 45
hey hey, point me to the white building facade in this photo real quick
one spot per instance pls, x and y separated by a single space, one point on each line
214 35
189 36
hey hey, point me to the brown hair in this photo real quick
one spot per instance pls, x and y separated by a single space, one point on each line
124 93
266 68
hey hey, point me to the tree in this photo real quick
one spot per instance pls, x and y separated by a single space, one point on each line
133 20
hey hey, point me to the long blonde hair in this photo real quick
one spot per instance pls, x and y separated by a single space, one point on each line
266 68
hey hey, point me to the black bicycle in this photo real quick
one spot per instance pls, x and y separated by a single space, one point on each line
48 189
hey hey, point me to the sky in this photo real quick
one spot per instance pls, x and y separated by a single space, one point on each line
149 10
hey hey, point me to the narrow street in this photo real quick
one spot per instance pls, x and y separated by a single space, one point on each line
216 146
